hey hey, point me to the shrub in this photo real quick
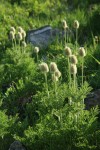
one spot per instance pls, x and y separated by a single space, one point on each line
54 120
6 125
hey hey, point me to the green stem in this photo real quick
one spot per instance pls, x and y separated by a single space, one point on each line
55 85
74 76
82 69
70 101
65 36
46 84
24 39
15 43
55 88
76 41
61 120
83 103
69 76
37 57
19 43
12 43
23 49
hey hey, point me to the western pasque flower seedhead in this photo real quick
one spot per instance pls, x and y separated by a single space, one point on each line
12 35
44 67
23 34
68 51
64 24
57 73
96 39
73 69
76 24
20 29
12 29
24 44
54 78
36 50
73 59
82 52
53 67
19 36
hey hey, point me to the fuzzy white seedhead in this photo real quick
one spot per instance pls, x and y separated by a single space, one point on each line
68 51
57 73
73 59
12 35
73 69
76 24
24 44
20 29
82 52
44 67
12 29
54 78
64 24
23 34
19 36
36 50
53 67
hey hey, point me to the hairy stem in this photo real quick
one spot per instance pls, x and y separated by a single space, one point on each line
76 41
37 57
69 73
46 84
74 76
82 69
65 36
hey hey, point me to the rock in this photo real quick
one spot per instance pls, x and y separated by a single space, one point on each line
41 37
16 145
44 36
93 99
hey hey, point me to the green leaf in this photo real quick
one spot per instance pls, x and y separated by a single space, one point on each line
95 59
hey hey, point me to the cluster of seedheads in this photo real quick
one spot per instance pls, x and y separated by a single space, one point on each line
72 61
72 58
55 73
66 28
17 36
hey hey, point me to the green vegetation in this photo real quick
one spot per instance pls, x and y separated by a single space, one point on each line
42 103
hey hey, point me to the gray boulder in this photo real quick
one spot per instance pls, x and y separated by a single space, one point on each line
45 35
16 145
93 99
